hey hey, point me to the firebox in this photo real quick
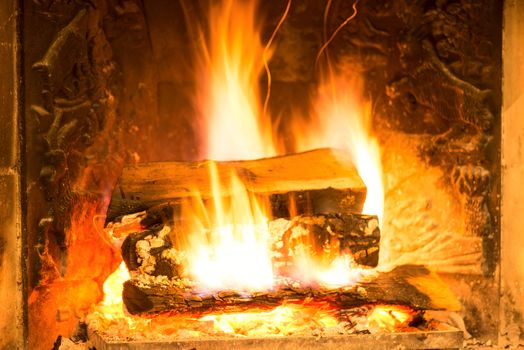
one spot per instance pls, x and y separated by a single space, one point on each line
237 173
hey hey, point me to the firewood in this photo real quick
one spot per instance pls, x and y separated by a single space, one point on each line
324 237
323 180
330 236
409 285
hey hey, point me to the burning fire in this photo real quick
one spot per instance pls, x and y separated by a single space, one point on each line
283 320
342 120
113 287
341 272
228 247
228 244
231 64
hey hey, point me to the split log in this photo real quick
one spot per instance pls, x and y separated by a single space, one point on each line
323 180
328 236
323 237
410 285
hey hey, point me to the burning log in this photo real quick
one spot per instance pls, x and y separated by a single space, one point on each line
329 236
313 182
323 237
409 285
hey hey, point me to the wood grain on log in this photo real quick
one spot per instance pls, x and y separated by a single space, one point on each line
323 180
405 285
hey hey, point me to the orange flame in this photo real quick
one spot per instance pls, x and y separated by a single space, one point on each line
342 120
232 61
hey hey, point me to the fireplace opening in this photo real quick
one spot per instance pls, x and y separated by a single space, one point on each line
210 173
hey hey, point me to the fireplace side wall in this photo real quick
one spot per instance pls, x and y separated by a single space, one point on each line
12 295
512 240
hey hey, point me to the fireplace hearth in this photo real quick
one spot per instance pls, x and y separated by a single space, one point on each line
429 340
183 174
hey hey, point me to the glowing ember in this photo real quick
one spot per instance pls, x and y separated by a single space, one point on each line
284 320
309 318
340 272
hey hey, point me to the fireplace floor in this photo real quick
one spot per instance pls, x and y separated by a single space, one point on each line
449 339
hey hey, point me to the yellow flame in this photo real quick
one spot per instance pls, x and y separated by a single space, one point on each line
113 287
232 61
340 273
333 272
342 120
229 244
389 317
283 320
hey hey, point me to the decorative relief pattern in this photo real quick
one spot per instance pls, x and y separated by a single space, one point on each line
473 185
432 68
75 74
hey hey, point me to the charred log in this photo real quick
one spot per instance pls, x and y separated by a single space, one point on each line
323 237
329 236
409 285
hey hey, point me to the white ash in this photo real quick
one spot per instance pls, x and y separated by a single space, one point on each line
143 248
147 281
298 232
176 256
276 228
362 291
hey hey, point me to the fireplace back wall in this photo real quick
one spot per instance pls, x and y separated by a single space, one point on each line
108 83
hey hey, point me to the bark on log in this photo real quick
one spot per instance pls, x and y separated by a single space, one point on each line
322 180
323 237
409 285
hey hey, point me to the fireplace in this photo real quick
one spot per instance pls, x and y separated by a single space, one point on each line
409 90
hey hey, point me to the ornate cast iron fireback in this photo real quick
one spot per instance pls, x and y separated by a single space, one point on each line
76 101
432 68
84 143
